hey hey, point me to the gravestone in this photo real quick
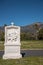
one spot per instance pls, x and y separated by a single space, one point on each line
12 42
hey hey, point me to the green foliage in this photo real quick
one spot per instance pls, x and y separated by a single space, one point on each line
33 44
36 26
27 36
5 25
1 35
40 34
31 36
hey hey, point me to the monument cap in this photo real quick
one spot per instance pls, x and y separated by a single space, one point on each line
12 23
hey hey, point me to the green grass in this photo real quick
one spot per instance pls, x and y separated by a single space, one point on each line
31 60
32 44
1 45
27 45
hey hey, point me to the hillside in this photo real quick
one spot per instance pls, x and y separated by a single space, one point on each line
27 32
28 28
33 28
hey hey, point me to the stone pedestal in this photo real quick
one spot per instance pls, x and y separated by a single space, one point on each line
12 42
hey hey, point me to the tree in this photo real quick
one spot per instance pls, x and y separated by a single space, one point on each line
40 34
27 36
5 25
1 35
36 26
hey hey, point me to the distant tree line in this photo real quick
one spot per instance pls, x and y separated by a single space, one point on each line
31 36
38 35
26 36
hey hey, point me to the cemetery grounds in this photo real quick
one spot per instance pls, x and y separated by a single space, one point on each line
30 60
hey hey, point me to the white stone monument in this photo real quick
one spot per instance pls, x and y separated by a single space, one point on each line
12 42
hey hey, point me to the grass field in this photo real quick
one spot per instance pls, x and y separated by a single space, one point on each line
1 45
31 60
27 45
32 44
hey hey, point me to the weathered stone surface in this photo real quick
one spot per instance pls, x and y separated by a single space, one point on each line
12 42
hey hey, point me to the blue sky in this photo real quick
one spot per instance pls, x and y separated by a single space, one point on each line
21 12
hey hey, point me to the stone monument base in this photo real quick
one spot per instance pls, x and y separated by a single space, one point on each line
12 42
12 56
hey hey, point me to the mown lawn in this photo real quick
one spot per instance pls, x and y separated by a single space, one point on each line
27 45
31 60
31 44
